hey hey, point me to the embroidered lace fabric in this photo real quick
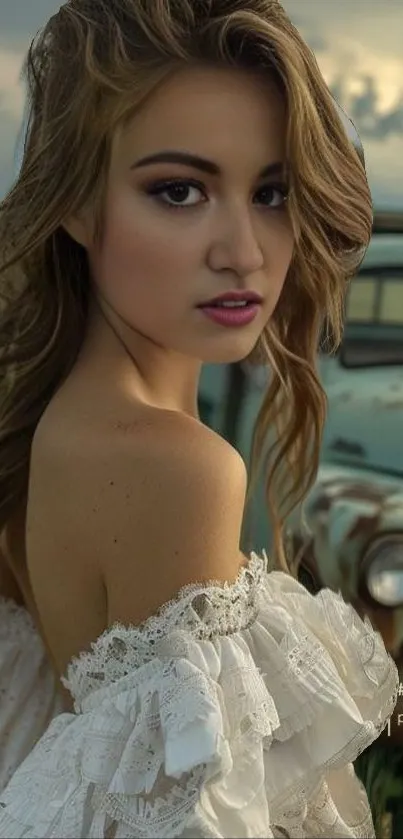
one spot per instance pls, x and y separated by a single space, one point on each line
236 711
28 698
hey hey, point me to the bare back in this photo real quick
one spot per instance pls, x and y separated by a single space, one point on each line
93 535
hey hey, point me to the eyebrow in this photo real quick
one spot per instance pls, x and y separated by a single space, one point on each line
196 162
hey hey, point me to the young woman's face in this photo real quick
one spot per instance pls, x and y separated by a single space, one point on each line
181 232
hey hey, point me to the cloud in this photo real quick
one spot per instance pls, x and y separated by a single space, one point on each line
364 107
11 91
21 19
11 111
7 160
358 47
385 180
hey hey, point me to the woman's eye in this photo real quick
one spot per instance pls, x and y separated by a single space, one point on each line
272 196
177 194
181 194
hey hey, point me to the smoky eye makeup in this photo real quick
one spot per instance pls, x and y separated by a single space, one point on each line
177 191
189 193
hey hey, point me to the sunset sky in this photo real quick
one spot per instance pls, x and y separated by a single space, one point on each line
358 47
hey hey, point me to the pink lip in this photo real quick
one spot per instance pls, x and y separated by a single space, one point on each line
249 296
231 317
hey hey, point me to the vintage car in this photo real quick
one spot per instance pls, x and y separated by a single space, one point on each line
351 535
352 539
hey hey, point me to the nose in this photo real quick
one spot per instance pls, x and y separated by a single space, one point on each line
235 245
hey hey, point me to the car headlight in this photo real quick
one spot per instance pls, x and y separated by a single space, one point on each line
383 571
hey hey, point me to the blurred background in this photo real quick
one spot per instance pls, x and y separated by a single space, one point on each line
358 45
352 537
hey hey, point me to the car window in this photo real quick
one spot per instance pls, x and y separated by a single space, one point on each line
361 301
376 299
391 301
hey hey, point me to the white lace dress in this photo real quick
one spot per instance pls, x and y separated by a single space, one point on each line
28 692
235 712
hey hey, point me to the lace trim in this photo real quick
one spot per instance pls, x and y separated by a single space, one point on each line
367 734
323 818
16 623
207 600
363 641
168 807
205 610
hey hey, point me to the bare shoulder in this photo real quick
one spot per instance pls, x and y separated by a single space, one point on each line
189 448
174 515
151 504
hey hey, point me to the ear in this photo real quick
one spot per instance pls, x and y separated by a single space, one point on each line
79 227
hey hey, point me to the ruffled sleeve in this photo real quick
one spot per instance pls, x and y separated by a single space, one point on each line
236 712
351 646
28 698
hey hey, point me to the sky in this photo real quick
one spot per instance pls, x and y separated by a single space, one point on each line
358 47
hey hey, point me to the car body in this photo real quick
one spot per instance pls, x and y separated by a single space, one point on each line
350 537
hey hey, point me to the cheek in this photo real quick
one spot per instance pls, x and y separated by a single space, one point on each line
280 253
140 252
132 247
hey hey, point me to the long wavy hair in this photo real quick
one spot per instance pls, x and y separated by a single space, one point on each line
87 71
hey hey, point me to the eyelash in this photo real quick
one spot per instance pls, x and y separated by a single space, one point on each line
158 189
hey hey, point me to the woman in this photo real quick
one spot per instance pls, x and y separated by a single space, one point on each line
187 194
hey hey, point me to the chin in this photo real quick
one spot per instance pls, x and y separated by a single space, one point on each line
229 352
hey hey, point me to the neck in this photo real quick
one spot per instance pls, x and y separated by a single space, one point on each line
162 378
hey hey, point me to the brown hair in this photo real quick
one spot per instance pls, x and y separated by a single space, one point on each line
87 70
